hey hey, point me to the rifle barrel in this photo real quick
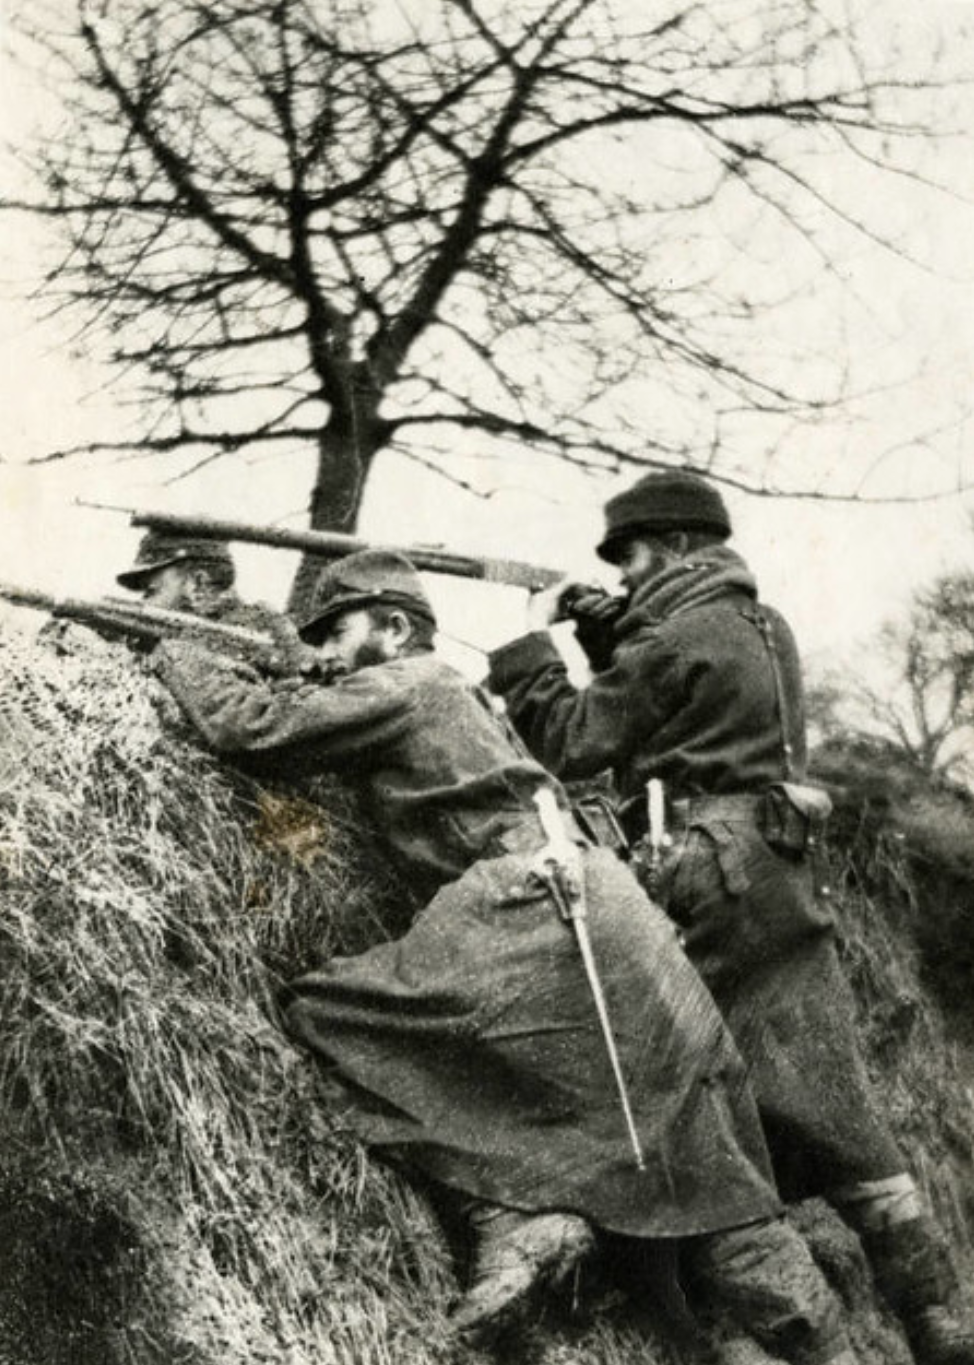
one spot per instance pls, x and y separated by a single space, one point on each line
336 544
148 621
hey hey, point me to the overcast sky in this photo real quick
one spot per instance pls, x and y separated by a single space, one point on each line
837 570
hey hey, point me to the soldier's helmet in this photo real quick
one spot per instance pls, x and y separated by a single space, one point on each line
367 578
158 550
666 500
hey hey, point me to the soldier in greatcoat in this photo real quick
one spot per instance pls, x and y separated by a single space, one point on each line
470 1047
697 683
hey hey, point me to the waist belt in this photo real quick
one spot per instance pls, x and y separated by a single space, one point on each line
742 808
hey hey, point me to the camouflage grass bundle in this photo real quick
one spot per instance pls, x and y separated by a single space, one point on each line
148 902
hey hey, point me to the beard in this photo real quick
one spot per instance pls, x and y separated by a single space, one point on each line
368 653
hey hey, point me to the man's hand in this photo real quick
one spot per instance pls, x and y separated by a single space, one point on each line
545 607
594 612
581 601
568 601
288 655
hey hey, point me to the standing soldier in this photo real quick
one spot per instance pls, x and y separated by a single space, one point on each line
698 684
475 1048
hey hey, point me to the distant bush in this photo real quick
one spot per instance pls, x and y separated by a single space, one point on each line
910 838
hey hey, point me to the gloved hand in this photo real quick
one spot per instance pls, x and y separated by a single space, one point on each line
595 613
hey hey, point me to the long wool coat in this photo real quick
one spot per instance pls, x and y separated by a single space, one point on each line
703 690
470 1046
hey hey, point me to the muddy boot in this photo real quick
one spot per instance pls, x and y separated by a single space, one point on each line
914 1276
515 1255
764 1276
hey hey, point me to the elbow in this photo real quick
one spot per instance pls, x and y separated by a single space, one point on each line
225 736
225 743
576 762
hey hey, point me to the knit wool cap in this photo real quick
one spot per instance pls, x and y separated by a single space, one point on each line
157 550
666 500
364 579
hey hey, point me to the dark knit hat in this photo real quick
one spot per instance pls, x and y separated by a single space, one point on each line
365 579
158 550
666 500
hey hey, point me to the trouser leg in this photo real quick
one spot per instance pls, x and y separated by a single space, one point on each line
910 1266
766 1279
514 1255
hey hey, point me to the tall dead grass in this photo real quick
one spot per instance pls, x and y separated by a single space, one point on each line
149 901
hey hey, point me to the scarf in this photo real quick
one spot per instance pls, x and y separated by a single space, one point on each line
688 583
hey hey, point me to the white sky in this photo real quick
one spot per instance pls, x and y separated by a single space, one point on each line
837 570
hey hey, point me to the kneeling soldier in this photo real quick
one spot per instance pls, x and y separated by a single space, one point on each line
472 1046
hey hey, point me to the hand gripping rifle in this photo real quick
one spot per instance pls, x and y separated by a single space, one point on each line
555 867
335 545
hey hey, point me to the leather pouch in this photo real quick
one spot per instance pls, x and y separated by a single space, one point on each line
794 817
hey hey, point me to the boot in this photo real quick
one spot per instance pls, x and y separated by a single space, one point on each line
515 1255
763 1279
938 1337
913 1274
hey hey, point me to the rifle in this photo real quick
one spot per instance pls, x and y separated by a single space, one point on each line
146 623
336 544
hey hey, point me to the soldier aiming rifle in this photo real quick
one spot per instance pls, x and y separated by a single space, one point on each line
473 1049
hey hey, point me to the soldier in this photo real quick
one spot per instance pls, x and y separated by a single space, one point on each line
698 683
471 1047
195 575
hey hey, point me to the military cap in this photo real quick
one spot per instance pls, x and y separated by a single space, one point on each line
157 550
365 579
666 500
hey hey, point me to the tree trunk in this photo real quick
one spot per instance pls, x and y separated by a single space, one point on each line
346 451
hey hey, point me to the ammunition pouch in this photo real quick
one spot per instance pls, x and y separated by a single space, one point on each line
793 818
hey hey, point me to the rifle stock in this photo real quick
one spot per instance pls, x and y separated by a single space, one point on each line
336 544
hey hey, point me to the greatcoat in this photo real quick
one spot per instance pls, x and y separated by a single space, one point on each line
469 1048
703 690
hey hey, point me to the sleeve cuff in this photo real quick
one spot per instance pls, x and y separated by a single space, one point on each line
521 658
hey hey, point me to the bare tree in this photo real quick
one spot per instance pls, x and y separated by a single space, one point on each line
920 701
418 224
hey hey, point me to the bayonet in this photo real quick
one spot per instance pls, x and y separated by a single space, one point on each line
557 865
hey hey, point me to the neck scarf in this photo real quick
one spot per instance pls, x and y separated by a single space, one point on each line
707 574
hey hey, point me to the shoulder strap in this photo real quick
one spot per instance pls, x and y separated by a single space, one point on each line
760 620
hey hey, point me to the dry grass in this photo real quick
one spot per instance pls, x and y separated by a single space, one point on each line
148 903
